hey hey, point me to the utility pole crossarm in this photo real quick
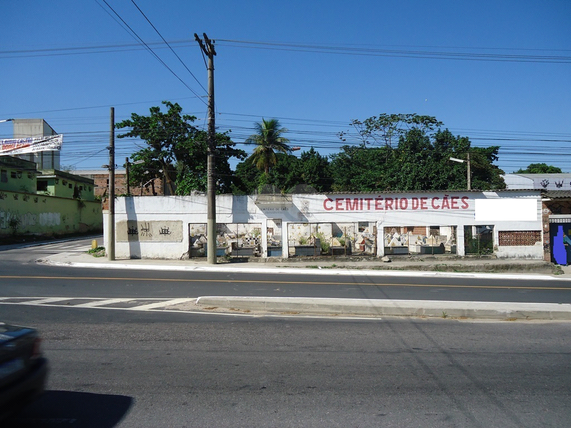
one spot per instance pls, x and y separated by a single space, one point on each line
207 46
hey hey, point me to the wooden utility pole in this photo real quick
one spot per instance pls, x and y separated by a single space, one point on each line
207 47
127 176
111 239
469 172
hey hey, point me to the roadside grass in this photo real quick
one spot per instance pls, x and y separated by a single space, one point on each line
97 252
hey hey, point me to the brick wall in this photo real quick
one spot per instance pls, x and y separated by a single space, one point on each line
101 181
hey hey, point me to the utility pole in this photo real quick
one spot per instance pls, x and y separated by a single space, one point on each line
469 173
207 47
127 176
468 169
111 239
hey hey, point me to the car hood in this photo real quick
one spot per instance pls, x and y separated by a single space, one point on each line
11 332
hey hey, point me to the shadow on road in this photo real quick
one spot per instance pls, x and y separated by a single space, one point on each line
81 409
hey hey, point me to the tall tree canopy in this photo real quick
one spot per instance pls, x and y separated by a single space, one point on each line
268 139
539 168
311 169
420 161
177 151
386 129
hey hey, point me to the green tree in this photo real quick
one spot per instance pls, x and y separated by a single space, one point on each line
268 140
539 168
176 151
420 161
486 175
192 168
386 129
363 169
248 179
311 169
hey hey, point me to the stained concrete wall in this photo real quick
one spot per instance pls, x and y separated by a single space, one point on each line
25 213
385 210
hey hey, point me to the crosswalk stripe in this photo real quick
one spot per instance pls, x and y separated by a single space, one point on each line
43 301
165 303
135 304
96 303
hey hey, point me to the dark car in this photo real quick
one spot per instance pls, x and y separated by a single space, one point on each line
23 369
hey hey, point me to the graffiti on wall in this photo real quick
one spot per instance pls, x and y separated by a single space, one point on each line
26 220
162 231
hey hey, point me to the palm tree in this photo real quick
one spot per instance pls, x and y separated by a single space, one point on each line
269 139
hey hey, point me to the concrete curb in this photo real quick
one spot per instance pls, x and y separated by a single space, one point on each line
138 265
392 308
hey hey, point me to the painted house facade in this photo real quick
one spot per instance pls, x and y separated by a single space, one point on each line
45 202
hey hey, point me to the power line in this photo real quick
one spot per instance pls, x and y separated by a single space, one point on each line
154 53
443 52
167 43
406 53
92 107
84 50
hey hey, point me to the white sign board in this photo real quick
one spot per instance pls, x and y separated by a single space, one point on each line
512 209
19 146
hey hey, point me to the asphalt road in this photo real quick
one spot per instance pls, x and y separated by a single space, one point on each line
21 276
149 369
141 369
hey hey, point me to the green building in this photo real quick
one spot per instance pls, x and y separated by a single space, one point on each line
45 202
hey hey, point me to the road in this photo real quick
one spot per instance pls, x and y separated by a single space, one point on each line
21 276
138 368
141 369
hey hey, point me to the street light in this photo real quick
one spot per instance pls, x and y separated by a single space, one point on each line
127 163
468 172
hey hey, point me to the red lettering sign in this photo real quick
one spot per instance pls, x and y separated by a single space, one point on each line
446 202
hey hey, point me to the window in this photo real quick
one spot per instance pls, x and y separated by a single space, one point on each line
4 176
479 239
13 174
42 185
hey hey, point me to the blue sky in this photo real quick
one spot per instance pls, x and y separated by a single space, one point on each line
498 72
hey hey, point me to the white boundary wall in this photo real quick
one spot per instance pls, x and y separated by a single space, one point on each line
157 227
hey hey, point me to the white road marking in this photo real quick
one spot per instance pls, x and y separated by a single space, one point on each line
163 304
136 304
44 300
95 303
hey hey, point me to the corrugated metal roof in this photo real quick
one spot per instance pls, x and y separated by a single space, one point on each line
557 194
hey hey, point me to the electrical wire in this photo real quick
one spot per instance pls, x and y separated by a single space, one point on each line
167 43
444 53
410 53
154 53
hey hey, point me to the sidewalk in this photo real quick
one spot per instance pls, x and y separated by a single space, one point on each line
485 268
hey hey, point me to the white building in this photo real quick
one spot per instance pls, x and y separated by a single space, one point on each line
505 223
548 182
